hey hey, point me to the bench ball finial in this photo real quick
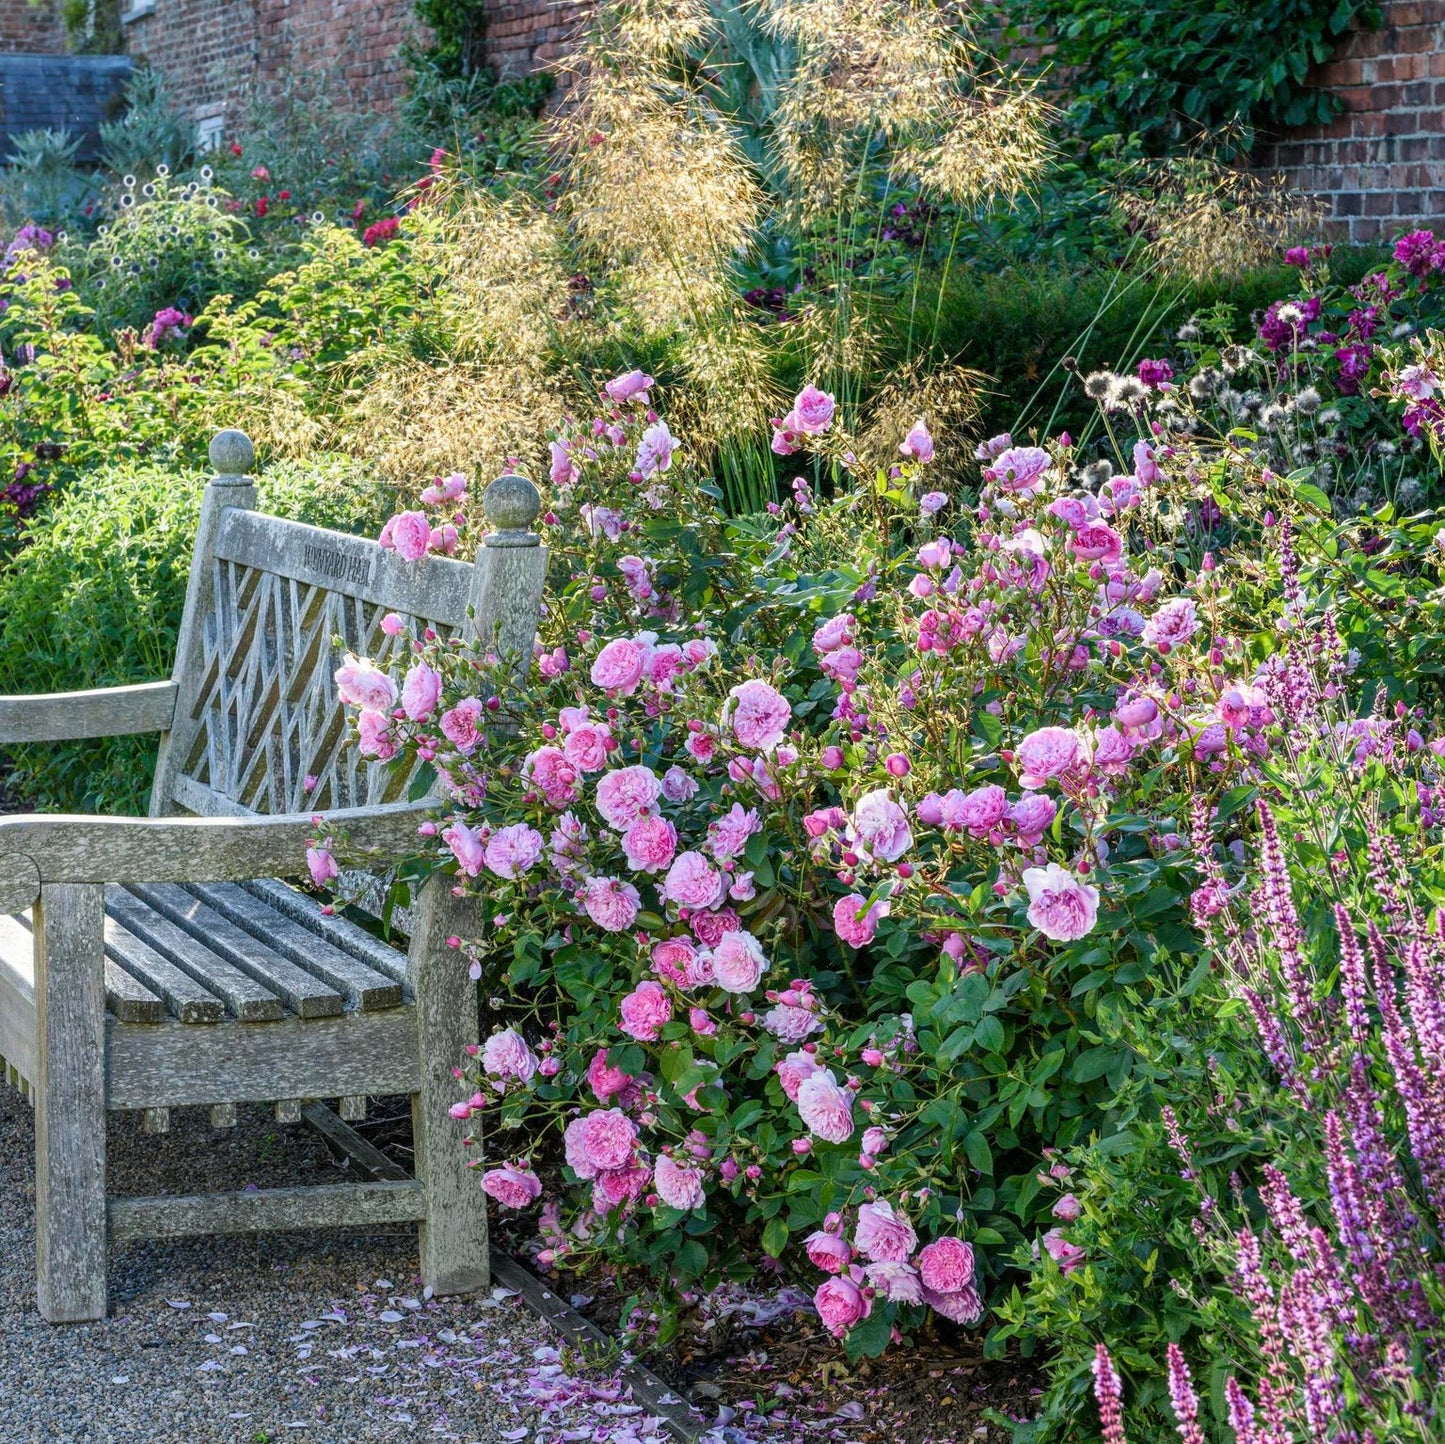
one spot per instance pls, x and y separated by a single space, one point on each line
511 504
232 453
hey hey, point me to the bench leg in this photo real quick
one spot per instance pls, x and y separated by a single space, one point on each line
454 1254
70 1228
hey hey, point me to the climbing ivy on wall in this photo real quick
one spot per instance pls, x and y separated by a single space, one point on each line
459 28
1169 69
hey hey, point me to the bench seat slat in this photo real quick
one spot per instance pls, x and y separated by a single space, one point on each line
125 996
304 993
362 986
185 998
350 937
246 999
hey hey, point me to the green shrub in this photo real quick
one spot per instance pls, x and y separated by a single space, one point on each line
95 600
1168 70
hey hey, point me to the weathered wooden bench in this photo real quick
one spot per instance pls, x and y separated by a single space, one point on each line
154 963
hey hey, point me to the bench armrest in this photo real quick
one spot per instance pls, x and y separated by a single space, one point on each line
36 850
106 712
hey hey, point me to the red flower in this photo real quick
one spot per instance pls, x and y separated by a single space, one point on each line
235 147
283 195
383 230
263 205
358 210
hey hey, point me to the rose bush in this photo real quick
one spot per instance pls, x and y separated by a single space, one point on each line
810 856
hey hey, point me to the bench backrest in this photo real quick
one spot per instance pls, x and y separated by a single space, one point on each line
271 608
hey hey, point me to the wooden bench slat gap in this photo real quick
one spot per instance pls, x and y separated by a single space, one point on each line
185 998
362 986
246 998
303 993
350 937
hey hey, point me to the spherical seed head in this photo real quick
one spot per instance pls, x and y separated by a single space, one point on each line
232 453
511 503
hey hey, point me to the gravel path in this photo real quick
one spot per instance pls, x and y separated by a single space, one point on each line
324 1338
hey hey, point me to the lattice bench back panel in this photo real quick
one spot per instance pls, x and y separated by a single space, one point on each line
265 710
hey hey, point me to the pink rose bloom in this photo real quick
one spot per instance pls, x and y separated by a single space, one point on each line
932 502
784 441
564 471
1146 468
1046 754
605 1079
1068 1256
834 633
918 444
1097 543
630 386
935 554
791 1025
897 1282
599 1142
677 786
738 962
883 1235
619 665
1067 1209
654 450
410 535
549 769
947 1265
882 824
1113 751
692 882
875 1141
611 903
511 1187
710 928
1018 469
321 865
1060 906
1118 494
586 746
461 725
828 1252
506 1055
840 1304
649 844
667 662
644 1011
826 1109
979 811
843 664
1238 705
812 411
728 835
678 1185
620 1187
673 957
1174 623
627 795
467 847
853 924
759 715
964 1307
360 683
374 737
420 692
1032 815
514 850
794 1070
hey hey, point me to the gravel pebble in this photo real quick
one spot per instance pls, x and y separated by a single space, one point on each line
326 1337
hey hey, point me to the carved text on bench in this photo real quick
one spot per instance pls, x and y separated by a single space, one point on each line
334 563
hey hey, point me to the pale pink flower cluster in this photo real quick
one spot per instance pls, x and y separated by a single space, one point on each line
812 415
1061 906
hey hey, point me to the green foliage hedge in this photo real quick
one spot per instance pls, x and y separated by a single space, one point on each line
95 600
1167 71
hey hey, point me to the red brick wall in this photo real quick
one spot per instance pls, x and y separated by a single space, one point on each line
215 52
1379 166
30 29
527 35
355 43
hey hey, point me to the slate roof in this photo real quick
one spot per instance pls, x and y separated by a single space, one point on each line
50 92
